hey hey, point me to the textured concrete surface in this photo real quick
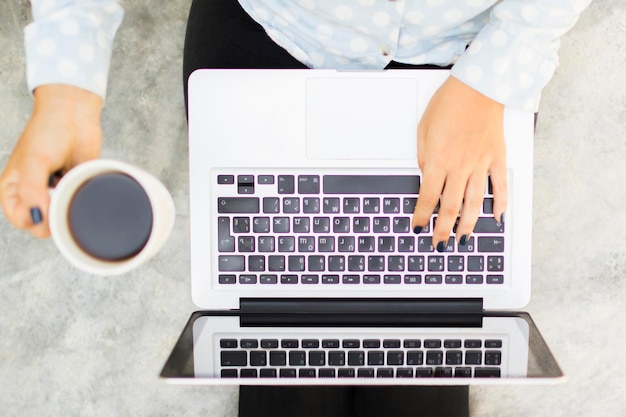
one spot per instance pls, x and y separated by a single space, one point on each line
72 344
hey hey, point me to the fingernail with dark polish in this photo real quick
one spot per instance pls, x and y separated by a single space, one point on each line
464 240
417 229
441 247
35 215
502 218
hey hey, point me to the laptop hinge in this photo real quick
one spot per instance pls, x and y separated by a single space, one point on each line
400 312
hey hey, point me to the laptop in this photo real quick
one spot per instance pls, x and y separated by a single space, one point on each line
304 266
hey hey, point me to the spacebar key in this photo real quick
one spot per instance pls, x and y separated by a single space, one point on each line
238 205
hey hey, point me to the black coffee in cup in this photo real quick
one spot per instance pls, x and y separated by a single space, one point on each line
110 217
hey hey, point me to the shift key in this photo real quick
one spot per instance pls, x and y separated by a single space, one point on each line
231 263
238 205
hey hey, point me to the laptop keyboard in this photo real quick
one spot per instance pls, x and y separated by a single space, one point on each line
342 230
360 358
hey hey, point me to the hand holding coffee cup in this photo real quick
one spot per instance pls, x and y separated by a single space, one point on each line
107 217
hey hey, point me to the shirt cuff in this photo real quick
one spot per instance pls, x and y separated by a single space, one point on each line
505 68
72 46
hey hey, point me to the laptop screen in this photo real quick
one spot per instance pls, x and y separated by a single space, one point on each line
495 348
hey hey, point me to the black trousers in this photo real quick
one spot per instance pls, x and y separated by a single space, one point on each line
221 35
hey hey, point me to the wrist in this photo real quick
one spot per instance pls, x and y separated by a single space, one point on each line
71 103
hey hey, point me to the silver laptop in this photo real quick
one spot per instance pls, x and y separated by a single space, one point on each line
303 261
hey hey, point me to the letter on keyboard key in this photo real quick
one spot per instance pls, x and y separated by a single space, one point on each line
238 205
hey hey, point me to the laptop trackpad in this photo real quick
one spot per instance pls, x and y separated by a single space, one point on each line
361 118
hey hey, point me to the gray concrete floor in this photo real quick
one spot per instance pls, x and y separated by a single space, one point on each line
72 344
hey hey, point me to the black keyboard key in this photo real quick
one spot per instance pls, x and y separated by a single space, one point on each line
391 343
487 373
238 205
297 358
291 205
371 184
346 244
271 205
310 343
227 279
351 344
346 373
474 279
330 279
256 263
473 343
473 357
371 205
228 343
286 244
433 279
384 373
406 244
278 358
434 357
365 373
356 358
382 225
228 373
287 373
488 206
336 358
490 244
425 244
258 358
493 358
493 344
241 224
412 344
269 343
432 343
327 373
454 279
330 205
375 263
268 279
326 244
371 279
391 205
475 263
386 244
395 357
306 373
350 279
286 184
443 372
289 279
414 357
231 263
356 263
401 225
249 343
371 343
317 358
462 372
495 264
408 206
310 205
495 279
249 373
265 179
330 343
423 372
351 205
266 244
267 373
393 279
435 263
289 343
375 358
416 263
488 225
308 184
361 225
261 224
301 225
233 358
454 357
341 225
452 343
336 263
295 263
225 242
404 373
367 244
225 179
276 263
321 225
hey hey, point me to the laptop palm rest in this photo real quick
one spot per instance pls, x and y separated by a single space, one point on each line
361 118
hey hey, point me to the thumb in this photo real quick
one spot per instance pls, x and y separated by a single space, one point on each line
33 196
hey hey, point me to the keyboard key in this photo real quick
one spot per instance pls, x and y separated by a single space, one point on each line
265 179
267 373
432 344
261 224
306 244
280 225
330 343
371 205
391 343
247 279
455 263
301 225
227 279
356 263
412 344
258 358
366 244
271 205
346 244
435 263
310 279
226 242
493 358
241 225
433 279
350 279
414 357
490 244
289 343
278 358
371 343
443 372
384 373
423 372
249 373
371 279
404 373
351 205
454 357
268 279
326 244
288 279
351 343
321 225
408 206
297 358
336 358
415 264
452 343
228 373
228 343
310 343
341 225
361 225
276 263
231 263
317 358
286 184
425 244
266 244
336 263
245 243
473 344
330 205
454 279
330 279
406 244
238 205
310 205
225 179
487 373
346 373
287 373
356 358
382 225
462 372
474 279
327 373
291 205
375 358
495 263
365 373
493 344
286 244
269 343
473 357
495 279
375 263
401 225
391 205
306 373
256 263
386 244
233 358
434 357
469 246
488 225
308 184
488 206
395 357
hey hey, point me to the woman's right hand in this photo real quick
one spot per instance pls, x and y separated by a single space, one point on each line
63 131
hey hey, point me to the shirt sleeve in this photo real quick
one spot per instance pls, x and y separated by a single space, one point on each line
515 55
70 42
